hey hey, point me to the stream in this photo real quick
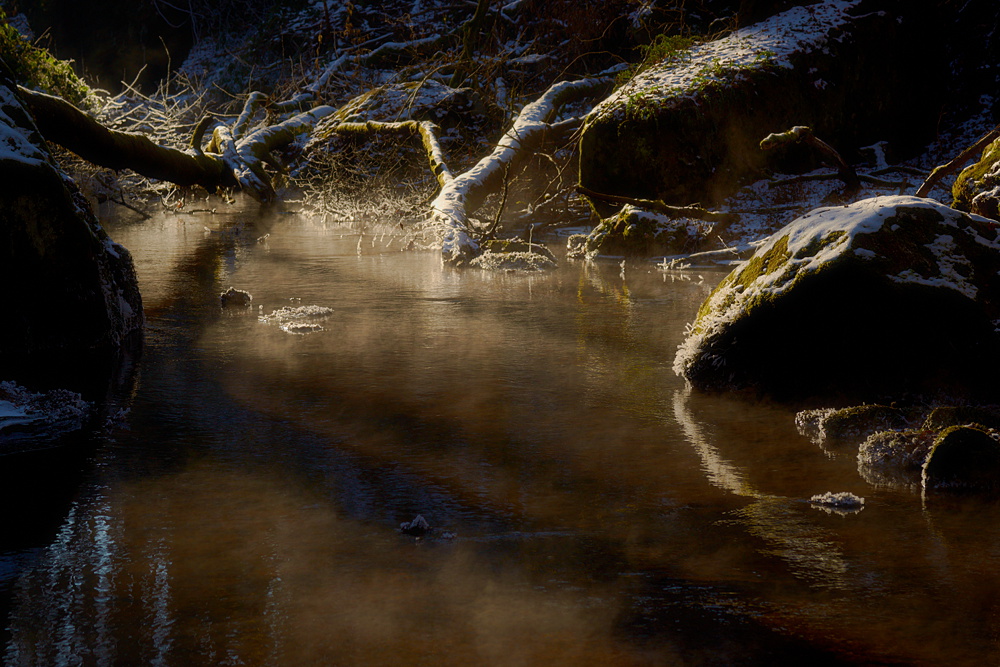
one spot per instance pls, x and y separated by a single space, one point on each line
586 507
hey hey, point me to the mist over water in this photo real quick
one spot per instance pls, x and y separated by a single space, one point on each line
587 508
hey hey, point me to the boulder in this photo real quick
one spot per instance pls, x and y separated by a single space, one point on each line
634 232
688 129
964 458
977 188
886 297
70 294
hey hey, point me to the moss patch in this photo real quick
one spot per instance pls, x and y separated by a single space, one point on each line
36 68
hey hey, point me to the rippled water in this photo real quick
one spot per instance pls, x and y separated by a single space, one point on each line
588 509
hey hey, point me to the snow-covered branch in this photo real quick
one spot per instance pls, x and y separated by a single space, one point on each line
467 191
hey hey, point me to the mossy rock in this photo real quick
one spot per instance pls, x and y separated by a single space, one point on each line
633 232
885 297
945 416
963 458
895 458
689 129
977 188
861 421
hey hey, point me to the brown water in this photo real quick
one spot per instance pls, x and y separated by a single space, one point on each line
588 508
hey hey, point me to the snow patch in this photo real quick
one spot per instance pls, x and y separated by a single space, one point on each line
43 414
948 258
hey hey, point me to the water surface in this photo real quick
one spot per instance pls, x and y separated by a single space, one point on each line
588 508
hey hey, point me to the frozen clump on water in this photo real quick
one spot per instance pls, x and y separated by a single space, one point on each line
25 414
512 262
842 503
301 327
298 319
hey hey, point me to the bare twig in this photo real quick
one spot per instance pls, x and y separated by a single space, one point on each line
801 133
659 206
941 171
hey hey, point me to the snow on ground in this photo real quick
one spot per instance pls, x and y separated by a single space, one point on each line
14 142
24 413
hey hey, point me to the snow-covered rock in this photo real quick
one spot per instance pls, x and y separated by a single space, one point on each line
688 129
69 291
887 296
636 232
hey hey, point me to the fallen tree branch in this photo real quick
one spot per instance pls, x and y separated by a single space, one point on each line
801 133
467 192
425 129
658 206
943 170
227 161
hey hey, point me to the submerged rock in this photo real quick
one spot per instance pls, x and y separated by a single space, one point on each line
298 319
30 419
885 297
842 503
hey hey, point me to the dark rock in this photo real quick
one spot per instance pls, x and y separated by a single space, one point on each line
234 298
886 297
418 527
963 458
70 293
689 129
941 418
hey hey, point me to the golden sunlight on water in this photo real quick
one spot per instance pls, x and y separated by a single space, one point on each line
586 507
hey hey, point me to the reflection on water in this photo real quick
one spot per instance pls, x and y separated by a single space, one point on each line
246 510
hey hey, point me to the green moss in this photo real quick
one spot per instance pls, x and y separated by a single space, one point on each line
863 420
976 177
37 68
663 49
946 416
